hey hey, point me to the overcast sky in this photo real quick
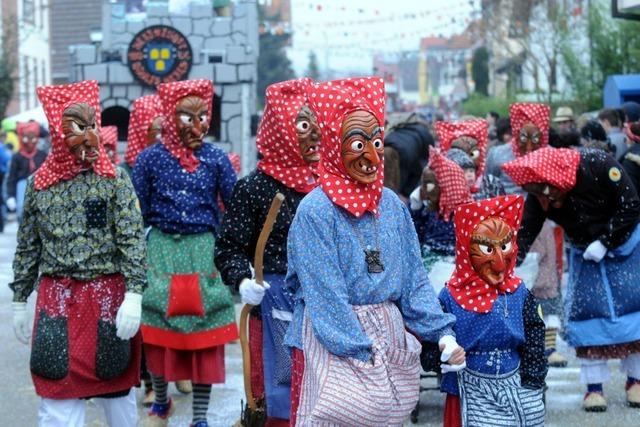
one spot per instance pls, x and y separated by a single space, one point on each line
346 34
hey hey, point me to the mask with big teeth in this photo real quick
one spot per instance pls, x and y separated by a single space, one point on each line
362 146
469 145
80 133
492 250
154 131
308 133
192 122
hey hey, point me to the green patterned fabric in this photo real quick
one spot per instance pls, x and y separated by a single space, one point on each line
170 254
82 228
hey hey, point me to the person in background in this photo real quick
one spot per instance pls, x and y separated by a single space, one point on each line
631 111
631 160
593 135
5 158
492 118
612 120
564 119
145 128
25 162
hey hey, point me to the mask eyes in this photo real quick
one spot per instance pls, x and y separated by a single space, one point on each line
77 128
475 154
487 250
377 143
523 138
430 187
203 118
357 145
506 247
303 126
535 139
185 119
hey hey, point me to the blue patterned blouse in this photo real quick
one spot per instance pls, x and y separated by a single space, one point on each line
176 201
327 274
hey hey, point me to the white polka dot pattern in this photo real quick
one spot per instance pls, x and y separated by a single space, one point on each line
277 138
470 291
454 190
144 110
477 129
109 137
332 101
522 113
60 163
170 94
549 165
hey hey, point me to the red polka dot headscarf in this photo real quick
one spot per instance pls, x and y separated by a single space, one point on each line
170 94
470 291
277 138
477 129
522 113
109 135
554 166
60 164
332 102
234 158
454 190
145 110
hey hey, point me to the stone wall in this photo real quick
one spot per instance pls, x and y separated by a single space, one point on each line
225 50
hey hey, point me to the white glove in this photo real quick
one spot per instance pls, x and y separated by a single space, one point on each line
450 344
251 292
11 204
414 200
595 251
128 317
21 322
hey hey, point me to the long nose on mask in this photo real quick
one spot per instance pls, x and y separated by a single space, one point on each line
371 154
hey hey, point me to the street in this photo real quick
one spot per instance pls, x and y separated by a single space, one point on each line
19 404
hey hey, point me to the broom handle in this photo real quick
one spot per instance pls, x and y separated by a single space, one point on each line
246 309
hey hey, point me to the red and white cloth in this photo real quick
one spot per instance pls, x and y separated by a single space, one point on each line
277 137
454 190
477 129
170 94
554 166
109 136
522 113
332 102
145 110
60 164
22 129
470 291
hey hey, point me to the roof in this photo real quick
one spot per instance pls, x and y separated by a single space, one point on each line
625 82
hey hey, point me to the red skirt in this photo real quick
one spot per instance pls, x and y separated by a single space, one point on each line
75 352
297 372
205 366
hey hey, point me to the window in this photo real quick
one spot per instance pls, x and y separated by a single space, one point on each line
28 11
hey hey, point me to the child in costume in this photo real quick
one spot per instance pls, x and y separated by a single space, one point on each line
188 313
288 142
81 241
589 195
497 322
356 272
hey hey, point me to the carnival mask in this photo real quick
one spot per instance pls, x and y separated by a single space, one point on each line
492 250
529 139
29 141
191 121
470 146
154 131
362 146
429 189
547 194
81 133
308 133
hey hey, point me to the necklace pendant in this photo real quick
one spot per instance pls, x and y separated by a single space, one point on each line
374 264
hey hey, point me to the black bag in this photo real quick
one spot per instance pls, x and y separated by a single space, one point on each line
113 354
50 352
